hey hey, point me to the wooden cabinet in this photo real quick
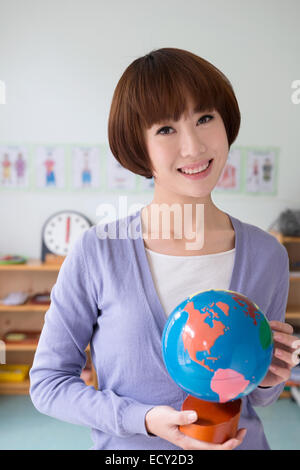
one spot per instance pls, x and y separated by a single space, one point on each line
33 277
292 244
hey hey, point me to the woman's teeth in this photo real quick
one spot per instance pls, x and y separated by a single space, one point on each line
196 170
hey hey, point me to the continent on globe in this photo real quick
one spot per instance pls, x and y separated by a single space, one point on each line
207 334
251 309
228 384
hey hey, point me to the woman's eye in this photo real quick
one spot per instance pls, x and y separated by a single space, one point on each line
200 119
207 116
162 129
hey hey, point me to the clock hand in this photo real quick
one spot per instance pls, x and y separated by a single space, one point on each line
68 230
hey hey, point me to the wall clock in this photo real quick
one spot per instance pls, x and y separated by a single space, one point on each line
59 232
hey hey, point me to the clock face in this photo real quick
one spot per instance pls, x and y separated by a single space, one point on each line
62 230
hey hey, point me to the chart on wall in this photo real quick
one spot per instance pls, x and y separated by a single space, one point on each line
49 169
15 166
231 176
92 167
261 171
85 167
118 177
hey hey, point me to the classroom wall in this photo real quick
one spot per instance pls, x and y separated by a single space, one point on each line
61 60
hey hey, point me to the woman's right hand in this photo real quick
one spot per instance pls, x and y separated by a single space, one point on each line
164 421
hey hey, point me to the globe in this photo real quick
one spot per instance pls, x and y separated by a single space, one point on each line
217 345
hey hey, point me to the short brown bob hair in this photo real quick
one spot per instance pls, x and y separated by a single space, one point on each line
153 89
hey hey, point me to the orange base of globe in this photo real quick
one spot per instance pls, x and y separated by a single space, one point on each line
217 422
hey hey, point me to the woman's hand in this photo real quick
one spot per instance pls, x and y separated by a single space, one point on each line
163 421
285 356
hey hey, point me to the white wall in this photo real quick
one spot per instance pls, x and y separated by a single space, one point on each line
61 60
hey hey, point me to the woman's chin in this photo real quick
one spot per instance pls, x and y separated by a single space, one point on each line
201 193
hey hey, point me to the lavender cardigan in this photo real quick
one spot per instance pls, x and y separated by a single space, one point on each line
105 296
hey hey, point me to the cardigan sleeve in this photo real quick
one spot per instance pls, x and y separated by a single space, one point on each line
56 388
276 311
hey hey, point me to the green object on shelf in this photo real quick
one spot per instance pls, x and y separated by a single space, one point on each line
8 259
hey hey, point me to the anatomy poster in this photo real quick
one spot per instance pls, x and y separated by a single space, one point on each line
119 177
248 170
261 170
50 167
230 179
85 167
14 167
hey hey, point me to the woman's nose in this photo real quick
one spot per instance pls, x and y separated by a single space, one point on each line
192 145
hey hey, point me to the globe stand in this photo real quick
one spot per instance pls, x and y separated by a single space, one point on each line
217 422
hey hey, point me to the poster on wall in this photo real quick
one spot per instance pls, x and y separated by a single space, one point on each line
248 170
230 179
118 177
14 166
85 167
261 171
50 167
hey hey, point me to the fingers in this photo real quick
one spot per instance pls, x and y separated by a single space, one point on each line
188 443
290 358
287 339
164 421
281 326
287 346
296 357
185 417
233 443
282 372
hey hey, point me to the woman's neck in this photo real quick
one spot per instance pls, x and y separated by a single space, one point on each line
161 232
179 219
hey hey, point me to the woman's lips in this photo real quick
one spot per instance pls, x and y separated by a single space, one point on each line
193 166
198 176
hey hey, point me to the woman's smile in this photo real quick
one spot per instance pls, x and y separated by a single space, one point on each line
196 175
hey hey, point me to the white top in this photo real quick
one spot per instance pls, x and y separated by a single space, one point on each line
177 277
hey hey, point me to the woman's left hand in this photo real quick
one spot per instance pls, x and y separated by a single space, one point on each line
285 356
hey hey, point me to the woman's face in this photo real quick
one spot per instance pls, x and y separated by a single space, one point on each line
195 140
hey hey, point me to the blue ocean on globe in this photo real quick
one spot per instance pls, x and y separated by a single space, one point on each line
217 345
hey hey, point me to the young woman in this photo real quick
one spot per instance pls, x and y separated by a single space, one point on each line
172 113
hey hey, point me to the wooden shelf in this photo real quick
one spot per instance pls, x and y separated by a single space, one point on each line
20 347
27 347
28 307
291 239
292 312
15 388
31 277
292 244
292 383
22 388
31 265
283 238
